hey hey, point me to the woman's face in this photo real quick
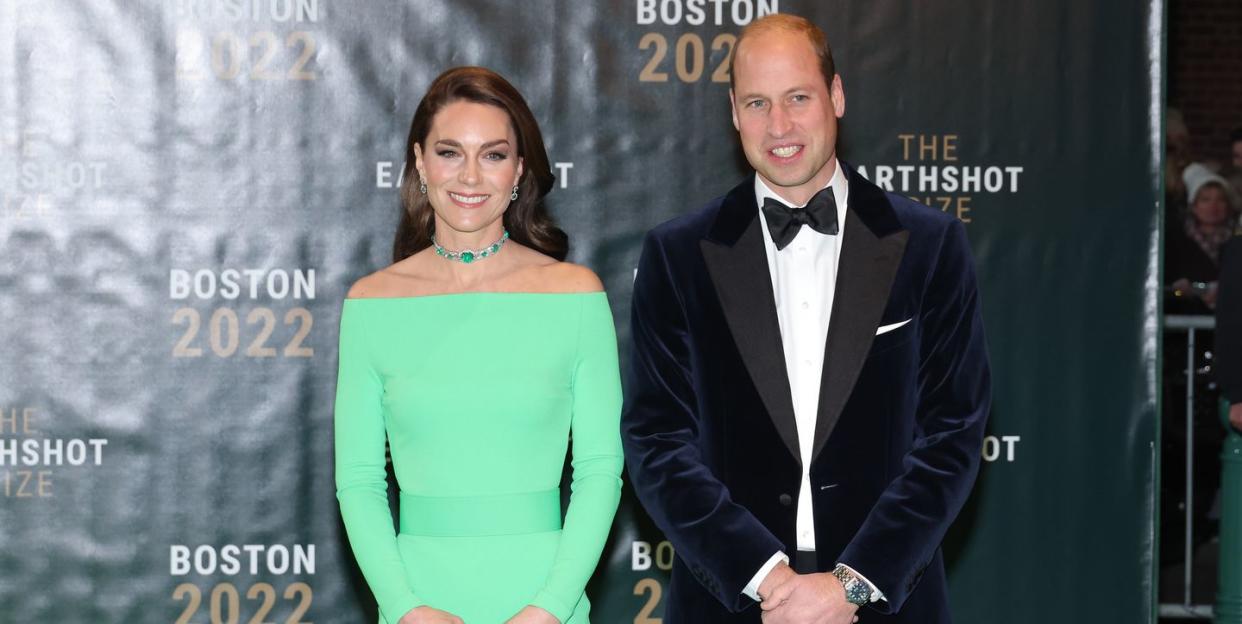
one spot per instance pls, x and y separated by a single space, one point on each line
1210 207
471 164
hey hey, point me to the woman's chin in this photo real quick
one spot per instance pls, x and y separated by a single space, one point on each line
469 225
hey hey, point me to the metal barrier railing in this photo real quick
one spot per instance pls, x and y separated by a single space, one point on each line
1187 609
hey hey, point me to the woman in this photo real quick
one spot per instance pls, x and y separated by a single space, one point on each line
476 354
1192 252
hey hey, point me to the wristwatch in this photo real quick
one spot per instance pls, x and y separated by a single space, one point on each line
857 591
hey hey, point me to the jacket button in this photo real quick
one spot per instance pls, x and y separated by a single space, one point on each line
786 500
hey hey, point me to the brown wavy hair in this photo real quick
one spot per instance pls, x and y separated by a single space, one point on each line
526 218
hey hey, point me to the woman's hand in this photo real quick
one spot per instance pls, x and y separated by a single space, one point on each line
428 615
531 614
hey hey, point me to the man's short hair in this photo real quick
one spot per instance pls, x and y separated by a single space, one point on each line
789 23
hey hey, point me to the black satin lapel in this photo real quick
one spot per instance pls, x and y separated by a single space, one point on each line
740 274
864 278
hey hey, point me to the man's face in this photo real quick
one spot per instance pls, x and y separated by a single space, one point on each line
785 113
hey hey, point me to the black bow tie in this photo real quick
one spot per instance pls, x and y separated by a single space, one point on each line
784 222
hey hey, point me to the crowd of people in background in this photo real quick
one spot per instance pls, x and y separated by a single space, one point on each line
1202 277
1203 247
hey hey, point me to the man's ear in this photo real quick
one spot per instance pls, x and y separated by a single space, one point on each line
733 110
837 91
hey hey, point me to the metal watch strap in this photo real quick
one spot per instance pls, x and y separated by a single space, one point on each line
857 591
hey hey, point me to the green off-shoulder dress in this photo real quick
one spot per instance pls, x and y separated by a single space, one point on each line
478 396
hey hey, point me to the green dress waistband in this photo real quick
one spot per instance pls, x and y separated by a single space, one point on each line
463 516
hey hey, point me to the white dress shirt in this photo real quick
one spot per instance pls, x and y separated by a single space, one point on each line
804 281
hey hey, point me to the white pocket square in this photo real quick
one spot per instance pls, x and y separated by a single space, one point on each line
884 329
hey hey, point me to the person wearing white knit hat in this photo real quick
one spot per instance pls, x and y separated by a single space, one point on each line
1193 250
1197 176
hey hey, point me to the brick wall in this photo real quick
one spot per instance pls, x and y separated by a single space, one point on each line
1205 71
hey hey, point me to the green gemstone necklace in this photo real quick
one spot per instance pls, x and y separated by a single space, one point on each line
470 255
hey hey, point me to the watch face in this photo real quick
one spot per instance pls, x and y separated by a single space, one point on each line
857 592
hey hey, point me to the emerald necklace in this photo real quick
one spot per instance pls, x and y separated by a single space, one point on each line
466 256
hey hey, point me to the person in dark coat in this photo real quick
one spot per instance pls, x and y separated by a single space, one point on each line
1229 329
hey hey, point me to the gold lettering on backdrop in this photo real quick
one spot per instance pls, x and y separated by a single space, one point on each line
27 484
688 57
226 605
13 421
930 174
224 329
963 207
929 146
957 206
653 590
262 56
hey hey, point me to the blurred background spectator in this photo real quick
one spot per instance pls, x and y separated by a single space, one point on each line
1194 238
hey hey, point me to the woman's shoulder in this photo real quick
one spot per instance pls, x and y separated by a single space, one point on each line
400 279
568 277
541 273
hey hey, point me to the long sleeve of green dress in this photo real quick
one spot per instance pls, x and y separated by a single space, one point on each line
597 462
361 484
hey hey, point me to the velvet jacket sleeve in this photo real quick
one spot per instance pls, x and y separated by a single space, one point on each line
721 542
1229 321
900 535
597 461
361 485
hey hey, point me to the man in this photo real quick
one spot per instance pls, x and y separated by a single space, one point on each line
1229 328
809 385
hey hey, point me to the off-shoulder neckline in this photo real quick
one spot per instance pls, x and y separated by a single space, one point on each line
476 293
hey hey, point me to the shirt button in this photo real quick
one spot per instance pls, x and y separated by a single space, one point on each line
806 362
805 305
802 250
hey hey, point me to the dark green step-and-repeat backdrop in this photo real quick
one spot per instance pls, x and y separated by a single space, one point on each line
188 187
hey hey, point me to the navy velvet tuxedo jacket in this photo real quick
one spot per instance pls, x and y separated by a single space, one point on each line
710 437
1229 321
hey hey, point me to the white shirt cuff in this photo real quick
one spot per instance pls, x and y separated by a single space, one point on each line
752 588
876 594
